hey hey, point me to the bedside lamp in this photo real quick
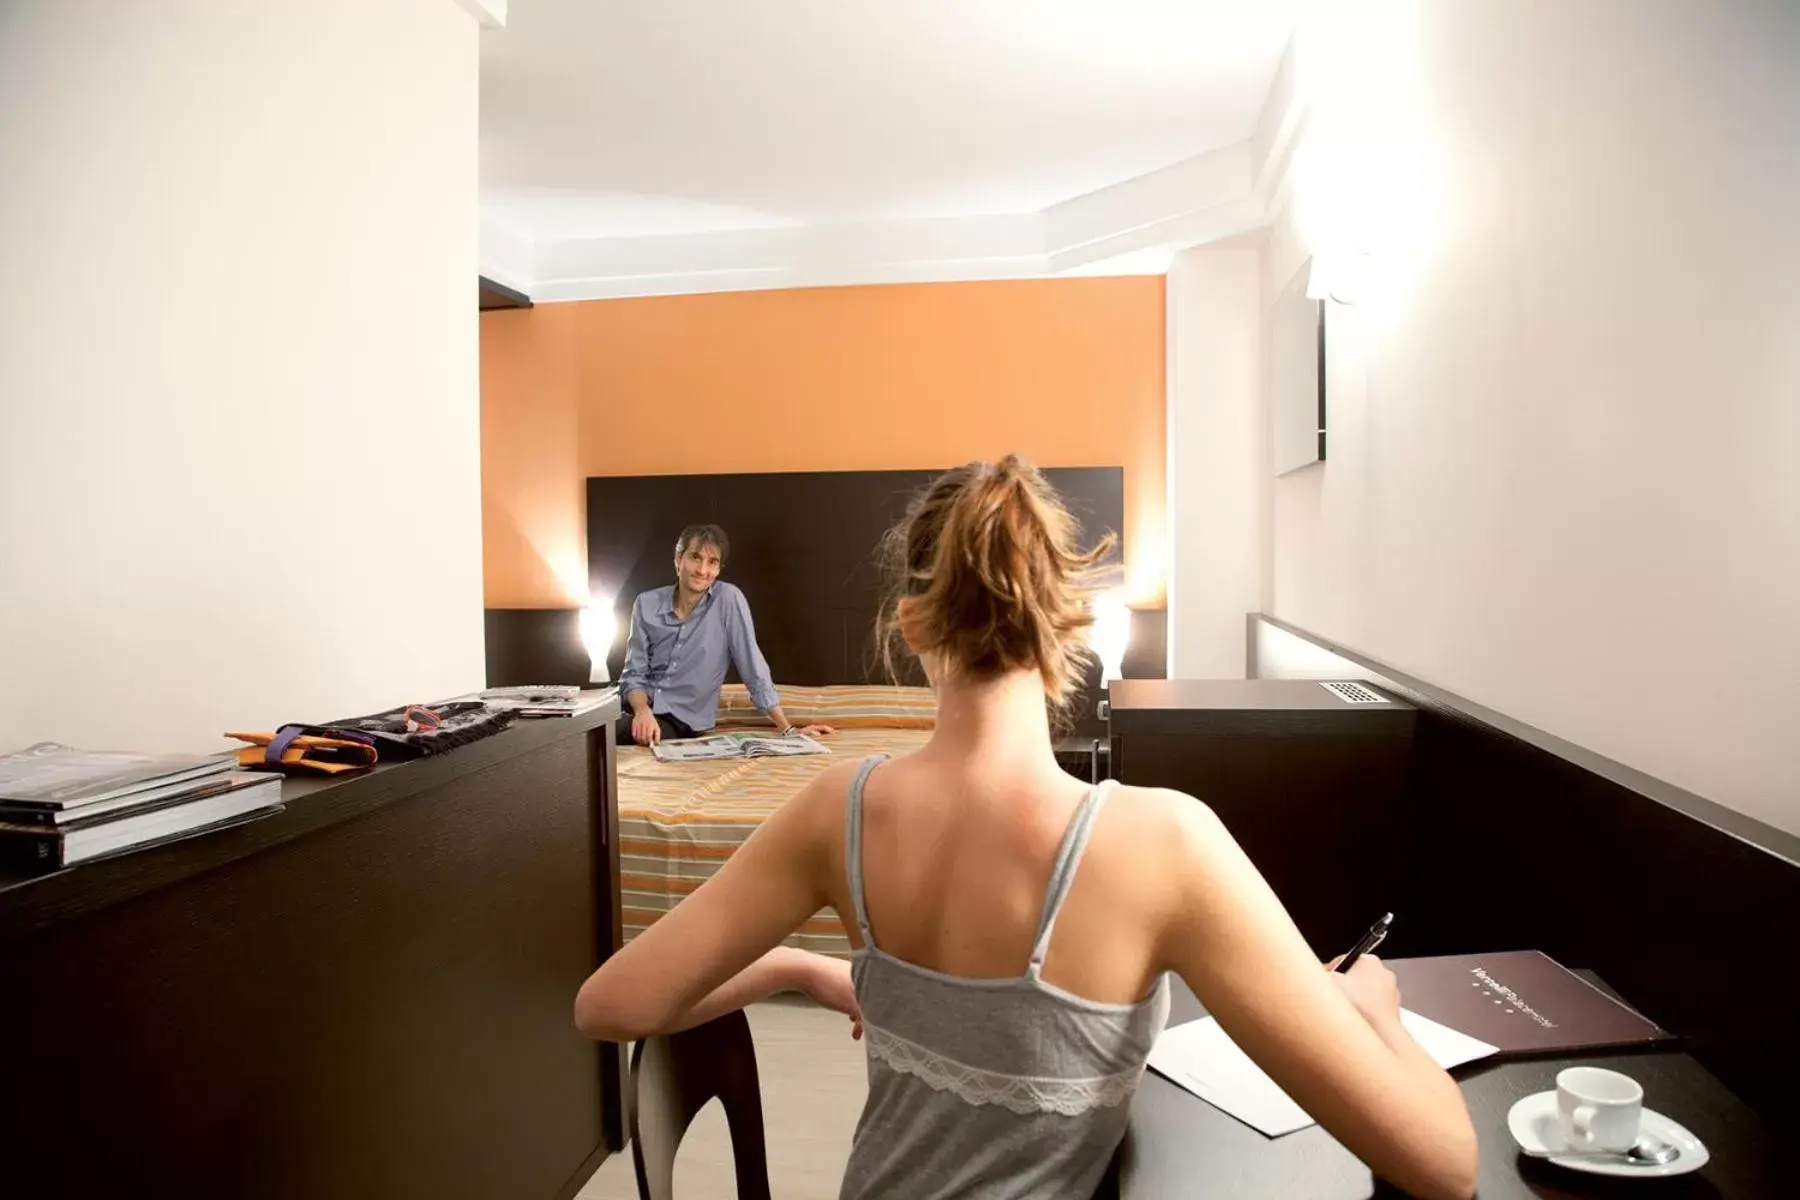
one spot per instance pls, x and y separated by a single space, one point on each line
599 627
1111 633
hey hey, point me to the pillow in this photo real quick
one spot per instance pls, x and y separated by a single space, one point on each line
846 706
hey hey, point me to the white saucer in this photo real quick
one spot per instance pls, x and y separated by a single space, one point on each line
1535 1127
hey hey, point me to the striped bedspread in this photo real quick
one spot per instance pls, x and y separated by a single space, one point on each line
679 821
839 705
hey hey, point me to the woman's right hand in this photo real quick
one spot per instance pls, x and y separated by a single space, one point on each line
1371 988
644 729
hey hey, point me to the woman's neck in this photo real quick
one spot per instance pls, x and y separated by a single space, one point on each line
1000 722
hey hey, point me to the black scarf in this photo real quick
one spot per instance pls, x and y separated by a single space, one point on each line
464 721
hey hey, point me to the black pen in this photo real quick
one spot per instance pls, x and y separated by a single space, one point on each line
1367 942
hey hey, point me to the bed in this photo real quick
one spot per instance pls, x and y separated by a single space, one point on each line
678 822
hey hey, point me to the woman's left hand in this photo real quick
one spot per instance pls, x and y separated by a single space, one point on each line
816 730
827 981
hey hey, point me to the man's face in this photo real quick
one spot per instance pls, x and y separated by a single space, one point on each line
697 567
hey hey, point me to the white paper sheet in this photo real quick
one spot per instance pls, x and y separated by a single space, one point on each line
1200 1057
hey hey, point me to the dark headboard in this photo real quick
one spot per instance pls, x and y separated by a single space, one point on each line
802 549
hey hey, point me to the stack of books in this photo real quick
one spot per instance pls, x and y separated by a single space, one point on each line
60 806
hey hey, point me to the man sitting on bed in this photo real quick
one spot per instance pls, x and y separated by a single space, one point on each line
682 638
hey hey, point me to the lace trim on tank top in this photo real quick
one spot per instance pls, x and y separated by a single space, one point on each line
1021 1094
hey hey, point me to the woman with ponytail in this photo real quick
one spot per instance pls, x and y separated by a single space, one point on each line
1013 926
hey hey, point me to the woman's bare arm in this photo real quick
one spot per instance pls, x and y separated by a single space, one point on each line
1333 1042
711 953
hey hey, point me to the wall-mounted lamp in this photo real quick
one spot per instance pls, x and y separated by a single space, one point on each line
599 628
1338 275
1111 633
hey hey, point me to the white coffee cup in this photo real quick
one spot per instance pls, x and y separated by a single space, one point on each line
1598 1109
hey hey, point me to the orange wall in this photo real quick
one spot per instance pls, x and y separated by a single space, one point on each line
533 515
1068 372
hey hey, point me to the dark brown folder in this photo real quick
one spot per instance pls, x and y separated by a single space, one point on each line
1522 1001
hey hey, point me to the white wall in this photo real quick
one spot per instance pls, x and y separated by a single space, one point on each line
239 447
1564 474
1216 457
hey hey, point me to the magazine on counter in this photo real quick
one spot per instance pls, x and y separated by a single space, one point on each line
550 700
735 745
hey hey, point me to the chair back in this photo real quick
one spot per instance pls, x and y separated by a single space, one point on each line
672 1078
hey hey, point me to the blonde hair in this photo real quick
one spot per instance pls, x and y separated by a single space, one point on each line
985 574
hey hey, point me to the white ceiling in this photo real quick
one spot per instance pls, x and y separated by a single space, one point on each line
604 121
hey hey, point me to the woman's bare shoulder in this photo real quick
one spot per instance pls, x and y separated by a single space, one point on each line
822 802
1162 810
1168 831
831 786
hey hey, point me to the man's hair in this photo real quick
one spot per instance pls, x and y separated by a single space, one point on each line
703 535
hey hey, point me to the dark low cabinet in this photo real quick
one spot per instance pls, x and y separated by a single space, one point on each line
367 995
1312 782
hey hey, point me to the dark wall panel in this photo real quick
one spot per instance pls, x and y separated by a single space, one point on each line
527 646
1523 841
1526 850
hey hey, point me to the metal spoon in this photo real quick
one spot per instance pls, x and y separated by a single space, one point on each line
1647 1151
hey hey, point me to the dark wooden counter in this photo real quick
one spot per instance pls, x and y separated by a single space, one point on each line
366 995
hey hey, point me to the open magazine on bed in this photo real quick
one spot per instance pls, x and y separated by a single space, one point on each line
735 745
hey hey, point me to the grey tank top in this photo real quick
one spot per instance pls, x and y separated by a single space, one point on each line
989 1087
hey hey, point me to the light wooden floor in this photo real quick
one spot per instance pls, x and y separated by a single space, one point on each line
814 1081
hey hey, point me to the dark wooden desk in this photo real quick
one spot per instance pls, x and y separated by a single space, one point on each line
1180 1146
367 996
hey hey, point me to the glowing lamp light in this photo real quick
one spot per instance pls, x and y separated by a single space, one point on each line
1111 633
1338 275
1369 174
599 627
